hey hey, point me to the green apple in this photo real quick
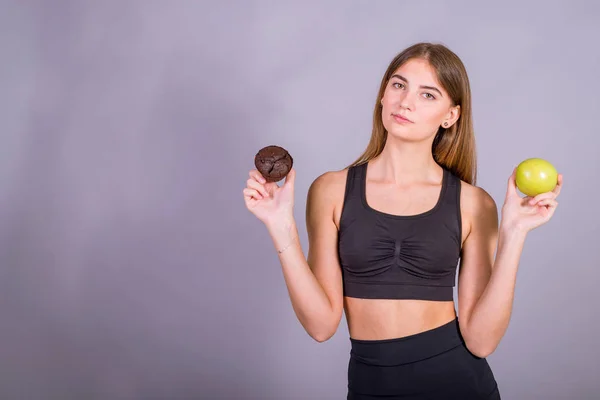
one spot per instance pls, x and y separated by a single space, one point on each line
535 176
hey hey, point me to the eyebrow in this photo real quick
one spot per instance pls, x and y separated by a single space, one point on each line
422 87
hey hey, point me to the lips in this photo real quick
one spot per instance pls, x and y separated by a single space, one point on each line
401 118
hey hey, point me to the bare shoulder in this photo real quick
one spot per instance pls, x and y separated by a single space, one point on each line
477 204
327 191
330 182
476 199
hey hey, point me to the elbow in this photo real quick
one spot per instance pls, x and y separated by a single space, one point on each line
325 330
323 334
322 337
479 345
482 353
481 350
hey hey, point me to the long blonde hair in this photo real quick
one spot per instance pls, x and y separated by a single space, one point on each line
452 148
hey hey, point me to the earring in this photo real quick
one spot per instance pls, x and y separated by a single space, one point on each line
445 124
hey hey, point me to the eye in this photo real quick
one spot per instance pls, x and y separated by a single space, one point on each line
429 96
397 83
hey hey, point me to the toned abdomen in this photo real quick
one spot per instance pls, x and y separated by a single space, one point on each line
375 319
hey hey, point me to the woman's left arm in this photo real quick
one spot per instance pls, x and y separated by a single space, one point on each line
486 285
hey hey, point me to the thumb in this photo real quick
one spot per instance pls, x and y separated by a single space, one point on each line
512 185
290 178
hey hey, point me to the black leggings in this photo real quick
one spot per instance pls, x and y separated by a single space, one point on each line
434 364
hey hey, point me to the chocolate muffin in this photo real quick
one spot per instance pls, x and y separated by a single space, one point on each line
273 162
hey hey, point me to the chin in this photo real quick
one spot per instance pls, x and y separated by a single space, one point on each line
407 135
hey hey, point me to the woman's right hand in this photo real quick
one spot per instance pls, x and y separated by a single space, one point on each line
269 202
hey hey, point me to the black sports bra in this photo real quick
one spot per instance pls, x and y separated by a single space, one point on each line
386 256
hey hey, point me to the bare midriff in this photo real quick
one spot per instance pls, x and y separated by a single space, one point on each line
378 319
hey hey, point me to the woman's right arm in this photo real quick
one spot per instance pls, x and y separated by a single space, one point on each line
315 283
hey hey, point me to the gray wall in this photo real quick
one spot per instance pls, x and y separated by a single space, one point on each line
129 266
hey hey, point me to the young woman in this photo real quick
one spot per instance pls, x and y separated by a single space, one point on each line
386 236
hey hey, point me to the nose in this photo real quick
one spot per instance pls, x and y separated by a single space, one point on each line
407 101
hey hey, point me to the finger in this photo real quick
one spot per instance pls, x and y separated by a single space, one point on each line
252 194
542 196
257 176
559 183
548 203
252 184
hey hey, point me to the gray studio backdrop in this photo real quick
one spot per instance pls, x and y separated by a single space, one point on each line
129 266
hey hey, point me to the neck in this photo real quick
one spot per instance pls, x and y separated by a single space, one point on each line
404 162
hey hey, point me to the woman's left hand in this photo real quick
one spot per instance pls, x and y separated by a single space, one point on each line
527 213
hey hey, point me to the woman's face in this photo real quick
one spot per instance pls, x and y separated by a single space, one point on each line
414 103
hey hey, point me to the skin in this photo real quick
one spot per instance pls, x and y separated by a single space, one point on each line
403 180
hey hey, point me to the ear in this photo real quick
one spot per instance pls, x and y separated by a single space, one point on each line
451 117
